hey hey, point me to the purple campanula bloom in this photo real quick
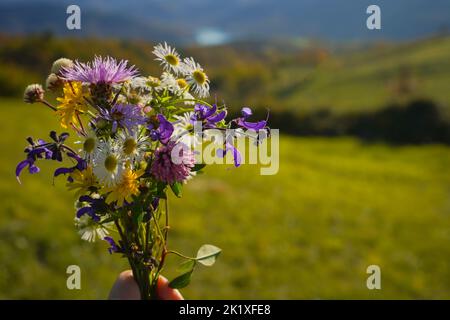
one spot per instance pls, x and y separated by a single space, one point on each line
81 165
236 154
42 150
126 116
95 206
100 71
113 246
164 130
207 115
242 121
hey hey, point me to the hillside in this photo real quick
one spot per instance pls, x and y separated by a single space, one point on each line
300 78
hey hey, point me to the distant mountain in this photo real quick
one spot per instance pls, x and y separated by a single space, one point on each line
188 21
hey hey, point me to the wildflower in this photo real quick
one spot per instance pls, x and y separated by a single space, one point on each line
107 163
196 78
126 116
81 165
93 205
60 64
113 246
164 130
89 143
229 147
89 229
207 115
133 145
126 188
183 130
168 82
82 181
242 121
71 104
53 83
100 71
33 93
176 169
35 150
169 58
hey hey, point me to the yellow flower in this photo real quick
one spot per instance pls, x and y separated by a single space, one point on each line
127 187
71 104
82 181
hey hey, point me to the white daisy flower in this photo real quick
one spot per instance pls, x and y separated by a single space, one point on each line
88 229
183 130
169 57
133 146
108 163
168 82
196 78
189 98
89 143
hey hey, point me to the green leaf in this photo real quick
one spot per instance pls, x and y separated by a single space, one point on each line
187 266
138 217
198 167
207 254
176 188
181 281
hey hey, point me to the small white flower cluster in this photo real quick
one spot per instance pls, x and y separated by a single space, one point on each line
191 76
181 78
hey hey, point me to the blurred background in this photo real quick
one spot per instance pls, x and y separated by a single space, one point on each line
364 171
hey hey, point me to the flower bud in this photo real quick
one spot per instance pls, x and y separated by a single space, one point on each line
61 63
33 93
153 82
53 82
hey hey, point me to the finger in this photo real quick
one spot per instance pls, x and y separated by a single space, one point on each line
125 288
165 292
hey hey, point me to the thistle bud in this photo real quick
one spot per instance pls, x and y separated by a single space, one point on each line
53 82
33 93
61 63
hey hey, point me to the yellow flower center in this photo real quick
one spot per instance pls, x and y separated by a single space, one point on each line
172 59
89 145
111 163
129 146
199 77
181 83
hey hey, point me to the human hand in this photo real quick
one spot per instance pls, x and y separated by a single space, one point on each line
125 288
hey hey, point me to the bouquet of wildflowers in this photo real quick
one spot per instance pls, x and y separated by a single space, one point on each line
136 140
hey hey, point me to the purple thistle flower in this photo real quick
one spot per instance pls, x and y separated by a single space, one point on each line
171 170
101 70
126 116
242 121
164 130
207 115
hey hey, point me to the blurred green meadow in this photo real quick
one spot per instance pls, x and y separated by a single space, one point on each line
336 206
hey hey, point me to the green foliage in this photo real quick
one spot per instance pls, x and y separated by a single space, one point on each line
207 254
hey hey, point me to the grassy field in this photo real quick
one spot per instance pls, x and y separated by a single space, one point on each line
335 207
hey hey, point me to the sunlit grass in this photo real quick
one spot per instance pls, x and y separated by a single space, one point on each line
335 207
